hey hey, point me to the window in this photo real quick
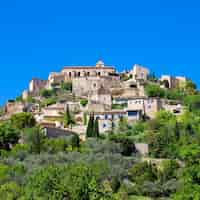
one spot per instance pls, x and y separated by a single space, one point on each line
132 113
104 125
99 73
70 74
79 73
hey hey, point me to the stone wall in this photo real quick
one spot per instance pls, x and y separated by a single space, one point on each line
81 86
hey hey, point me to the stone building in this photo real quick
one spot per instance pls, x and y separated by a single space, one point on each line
14 107
82 86
53 111
140 73
173 82
132 88
99 70
144 105
100 100
36 85
108 120
71 72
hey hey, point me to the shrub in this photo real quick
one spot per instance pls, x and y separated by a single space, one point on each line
84 102
47 93
66 86
23 120
154 90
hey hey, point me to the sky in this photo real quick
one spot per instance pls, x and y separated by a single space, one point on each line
41 36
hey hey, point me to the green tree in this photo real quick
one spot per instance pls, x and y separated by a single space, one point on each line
77 182
122 125
142 172
128 147
35 137
83 102
85 118
46 93
48 102
68 118
10 191
193 102
66 86
154 90
8 136
190 87
75 141
23 120
90 126
96 128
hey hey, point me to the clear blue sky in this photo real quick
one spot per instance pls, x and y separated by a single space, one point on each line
40 36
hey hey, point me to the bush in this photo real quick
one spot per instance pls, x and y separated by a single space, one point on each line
84 102
23 120
48 102
66 86
154 90
56 145
47 93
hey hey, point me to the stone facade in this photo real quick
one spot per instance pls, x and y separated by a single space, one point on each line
82 86
82 71
174 82
14 107
53 111
108 120
140 73
71 72
147 106
36 85
100 100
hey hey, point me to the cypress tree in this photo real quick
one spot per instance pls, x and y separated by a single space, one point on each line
90 127
96 128
68 120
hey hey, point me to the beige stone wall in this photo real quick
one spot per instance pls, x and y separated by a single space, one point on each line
36 85
139 72
14 107
87 71
174 82
149 106
83 85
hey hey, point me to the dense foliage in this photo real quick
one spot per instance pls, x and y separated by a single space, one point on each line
34 167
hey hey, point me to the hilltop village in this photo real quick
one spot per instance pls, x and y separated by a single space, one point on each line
98 90
91 133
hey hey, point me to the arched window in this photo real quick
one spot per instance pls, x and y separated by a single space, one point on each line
70 74
99 73
79 73
88 73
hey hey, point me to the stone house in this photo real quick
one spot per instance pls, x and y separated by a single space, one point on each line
14 107
144 105
71 72
82 71
139 72
173 82
100 100
108 120
36 85
82 86
173 106
53 111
